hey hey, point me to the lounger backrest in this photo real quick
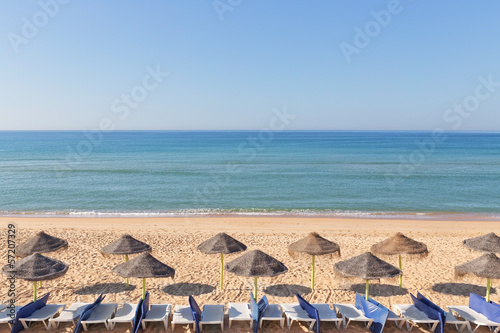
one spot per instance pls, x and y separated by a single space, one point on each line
311 311
26 311
427 302
489 310
430 312
379 314
140 312
254 313
263 304
195 310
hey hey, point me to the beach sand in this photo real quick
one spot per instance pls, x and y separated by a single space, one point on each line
174 242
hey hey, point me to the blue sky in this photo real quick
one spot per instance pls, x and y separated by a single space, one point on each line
230 63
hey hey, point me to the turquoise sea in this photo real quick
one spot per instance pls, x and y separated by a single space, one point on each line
172 173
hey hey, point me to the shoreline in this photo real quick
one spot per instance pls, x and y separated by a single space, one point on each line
413 216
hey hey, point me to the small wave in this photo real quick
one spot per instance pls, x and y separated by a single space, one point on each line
260 213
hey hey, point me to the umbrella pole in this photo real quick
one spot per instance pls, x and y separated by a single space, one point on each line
255 288
401 276
221 271
126 259
312 274
34 290
367 288
488 287
143 288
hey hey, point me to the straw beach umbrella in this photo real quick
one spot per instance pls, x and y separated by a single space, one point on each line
399 244
40 243
144 266
486 266
487 243
126 245
367 267
256 264
36 267
314 245
224 244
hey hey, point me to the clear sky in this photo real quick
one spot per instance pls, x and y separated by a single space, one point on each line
334 64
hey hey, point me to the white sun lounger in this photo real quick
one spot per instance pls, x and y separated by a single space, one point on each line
158 313
272 313
459 324
101 314
125 314
294 312
239 312
472 316
350 313
43 314
327 314
182 316
68 315
414 316
5 317
212 314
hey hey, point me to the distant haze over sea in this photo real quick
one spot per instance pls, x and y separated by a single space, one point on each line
416 174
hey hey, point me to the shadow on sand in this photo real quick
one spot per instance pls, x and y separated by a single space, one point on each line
188 289
460 289
384 290
104 288
287 290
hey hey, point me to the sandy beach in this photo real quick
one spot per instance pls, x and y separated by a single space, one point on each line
174 242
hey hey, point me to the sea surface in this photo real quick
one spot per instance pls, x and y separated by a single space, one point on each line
175 173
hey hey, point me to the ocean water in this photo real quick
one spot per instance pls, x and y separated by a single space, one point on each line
170 173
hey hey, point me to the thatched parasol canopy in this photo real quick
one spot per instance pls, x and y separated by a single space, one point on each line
399 244
126 244
221 243
40 243
487 243
314 245
36 267
144 266
367 267
256 264
486 266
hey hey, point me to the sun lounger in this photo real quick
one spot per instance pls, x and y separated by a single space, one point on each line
212 314
5 317
182 315
158 313
272 313
414 316
125 314
327 314
350 313
102 313
294 312
459 324
239 312
472 316
69 315
43 314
